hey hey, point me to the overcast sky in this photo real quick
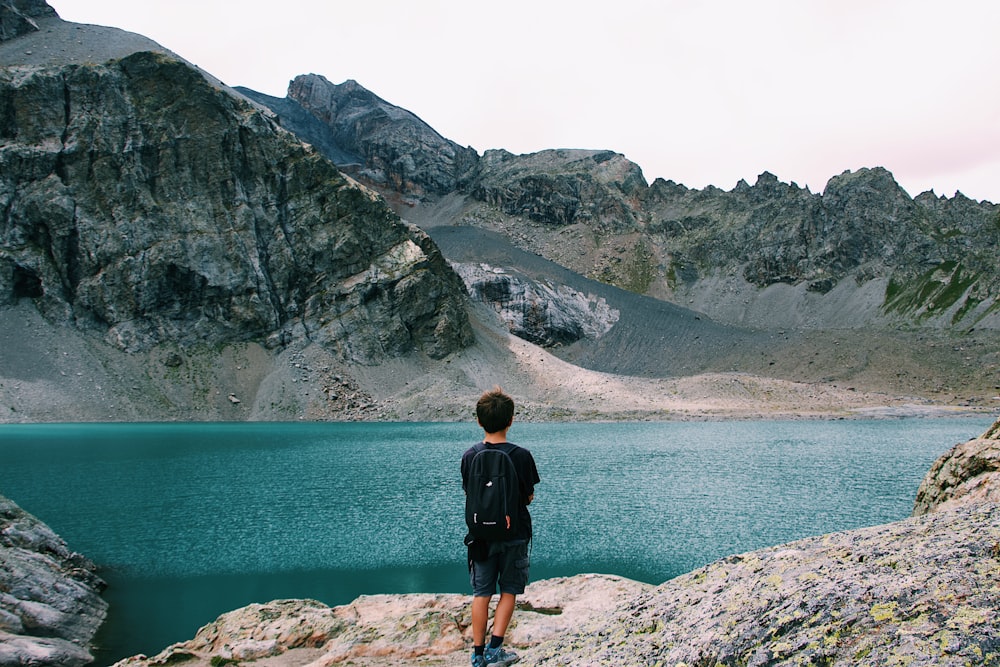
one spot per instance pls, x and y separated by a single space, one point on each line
696 91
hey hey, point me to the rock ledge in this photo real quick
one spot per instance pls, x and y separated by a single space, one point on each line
50 607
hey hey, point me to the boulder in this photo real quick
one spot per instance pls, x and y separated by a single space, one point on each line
545 314
388 629
50 604
917 592
967 473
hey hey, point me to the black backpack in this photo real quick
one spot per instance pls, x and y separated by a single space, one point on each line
492 494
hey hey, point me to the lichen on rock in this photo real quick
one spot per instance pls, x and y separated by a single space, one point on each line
388 629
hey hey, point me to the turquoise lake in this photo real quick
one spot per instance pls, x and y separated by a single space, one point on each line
188 521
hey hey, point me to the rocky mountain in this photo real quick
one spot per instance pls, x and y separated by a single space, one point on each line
169 250
146 204
928 260
18 17
371 138
50 597
932 256
767 278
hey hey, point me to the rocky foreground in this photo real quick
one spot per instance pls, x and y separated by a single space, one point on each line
922 591
50 604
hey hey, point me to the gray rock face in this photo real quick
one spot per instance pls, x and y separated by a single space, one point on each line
401 152
541 313
563 187
141 202
50 604
18 17
294 117
863 227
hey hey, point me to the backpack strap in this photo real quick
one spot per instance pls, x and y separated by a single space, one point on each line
505 447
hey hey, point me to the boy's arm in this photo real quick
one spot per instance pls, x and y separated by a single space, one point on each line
465 468
531 474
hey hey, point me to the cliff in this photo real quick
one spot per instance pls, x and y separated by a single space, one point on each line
380 142
146 205
50 604
152 217
921 591
19 17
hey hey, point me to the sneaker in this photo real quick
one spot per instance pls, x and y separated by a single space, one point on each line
478 661
501 657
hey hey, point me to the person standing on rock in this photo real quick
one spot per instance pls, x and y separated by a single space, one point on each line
499 479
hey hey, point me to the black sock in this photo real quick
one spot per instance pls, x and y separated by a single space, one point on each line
478 650
495 642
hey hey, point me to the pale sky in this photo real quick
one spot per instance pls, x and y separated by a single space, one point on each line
701 92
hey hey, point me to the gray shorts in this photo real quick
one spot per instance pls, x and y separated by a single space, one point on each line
506 565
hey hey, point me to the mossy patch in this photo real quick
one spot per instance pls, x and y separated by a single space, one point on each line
883 612
932 293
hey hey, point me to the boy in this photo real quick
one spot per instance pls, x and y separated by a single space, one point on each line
503 563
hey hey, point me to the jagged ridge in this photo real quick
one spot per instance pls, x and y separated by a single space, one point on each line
593 212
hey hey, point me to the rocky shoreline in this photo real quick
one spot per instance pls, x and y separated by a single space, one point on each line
50 603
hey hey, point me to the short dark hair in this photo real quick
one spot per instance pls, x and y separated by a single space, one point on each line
495 410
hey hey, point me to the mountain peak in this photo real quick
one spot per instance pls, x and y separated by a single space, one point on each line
875 177
411 157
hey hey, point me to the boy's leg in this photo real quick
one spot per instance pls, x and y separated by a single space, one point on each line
513 579
502 615
483 577
480 616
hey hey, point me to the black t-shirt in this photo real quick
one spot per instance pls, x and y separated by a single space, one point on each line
527 477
